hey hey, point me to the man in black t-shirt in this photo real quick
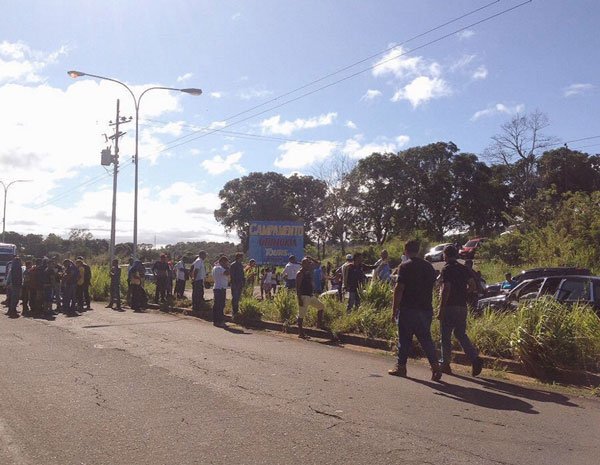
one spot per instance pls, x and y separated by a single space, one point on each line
413 310
457 284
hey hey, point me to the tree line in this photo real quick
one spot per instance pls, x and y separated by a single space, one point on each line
435 188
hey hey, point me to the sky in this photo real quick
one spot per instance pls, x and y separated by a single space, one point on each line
288 86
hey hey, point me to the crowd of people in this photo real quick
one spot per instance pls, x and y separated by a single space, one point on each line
46 287
41 284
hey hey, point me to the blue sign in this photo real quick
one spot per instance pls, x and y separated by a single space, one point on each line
272 242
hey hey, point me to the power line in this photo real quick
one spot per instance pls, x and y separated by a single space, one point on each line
331 84
356 63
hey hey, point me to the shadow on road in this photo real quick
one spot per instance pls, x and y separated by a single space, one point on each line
130 324
480 397
232 330
521 391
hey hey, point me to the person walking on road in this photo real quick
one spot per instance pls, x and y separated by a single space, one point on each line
305 294
237 282
70 278
457 282
413 310
198 277
220 274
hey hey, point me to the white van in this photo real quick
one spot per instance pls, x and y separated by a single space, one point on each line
7 253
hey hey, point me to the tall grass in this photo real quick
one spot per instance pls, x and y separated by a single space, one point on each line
549 336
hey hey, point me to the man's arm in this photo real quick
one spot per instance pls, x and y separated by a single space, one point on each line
398 292
298 283
444 296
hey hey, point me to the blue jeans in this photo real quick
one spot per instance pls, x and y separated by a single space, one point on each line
69 305
236 295
290 283
353 300
218 306
411 323
13 298
455 319
197 294
115 294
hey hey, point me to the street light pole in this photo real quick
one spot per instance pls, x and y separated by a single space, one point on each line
6 186
136 102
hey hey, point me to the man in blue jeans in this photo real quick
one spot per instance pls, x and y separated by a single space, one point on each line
221 277
413 310
457 283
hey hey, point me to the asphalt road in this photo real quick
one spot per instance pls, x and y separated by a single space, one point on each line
125 388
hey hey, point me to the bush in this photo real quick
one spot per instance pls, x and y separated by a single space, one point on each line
285 303
377 294
550 336
250 310
367 321
491 332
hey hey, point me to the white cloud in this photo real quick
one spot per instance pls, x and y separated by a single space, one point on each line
462 62
371 94
394 63
236 16
422 89
466 34
185 77
252 93
355 149
19 63
350 124
298 155
274 125
480 73
216 94
577 89
498 109
222 164
417 80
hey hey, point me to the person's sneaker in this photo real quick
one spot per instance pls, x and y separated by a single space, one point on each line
477 366
398 370
445 368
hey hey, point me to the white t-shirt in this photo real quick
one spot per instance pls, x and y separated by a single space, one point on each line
180 269
291 270
221 280
200 269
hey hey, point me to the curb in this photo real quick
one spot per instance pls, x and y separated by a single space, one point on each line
568 377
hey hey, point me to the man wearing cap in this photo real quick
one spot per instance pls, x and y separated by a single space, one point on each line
457 282
290 272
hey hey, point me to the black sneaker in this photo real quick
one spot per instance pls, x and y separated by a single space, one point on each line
445 368
477 366
398 370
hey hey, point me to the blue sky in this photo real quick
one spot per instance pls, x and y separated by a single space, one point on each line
541 56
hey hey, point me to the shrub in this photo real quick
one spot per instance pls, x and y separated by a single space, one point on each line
491 332
377 294
285 303
250 310
367 321
549 336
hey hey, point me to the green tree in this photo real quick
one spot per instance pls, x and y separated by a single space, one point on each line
568 171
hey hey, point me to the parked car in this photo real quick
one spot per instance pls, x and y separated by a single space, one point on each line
149 275
495 289
468 250
566 289
436 254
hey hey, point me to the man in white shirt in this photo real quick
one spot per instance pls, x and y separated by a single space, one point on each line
198 277
180 273
290 271
221 277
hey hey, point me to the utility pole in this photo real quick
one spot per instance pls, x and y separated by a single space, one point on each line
107 159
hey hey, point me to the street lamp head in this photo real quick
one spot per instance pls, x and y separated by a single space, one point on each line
192 91
75 74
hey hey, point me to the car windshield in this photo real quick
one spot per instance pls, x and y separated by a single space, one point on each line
528 290
471 244
439 248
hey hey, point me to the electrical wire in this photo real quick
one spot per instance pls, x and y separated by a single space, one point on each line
338 81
